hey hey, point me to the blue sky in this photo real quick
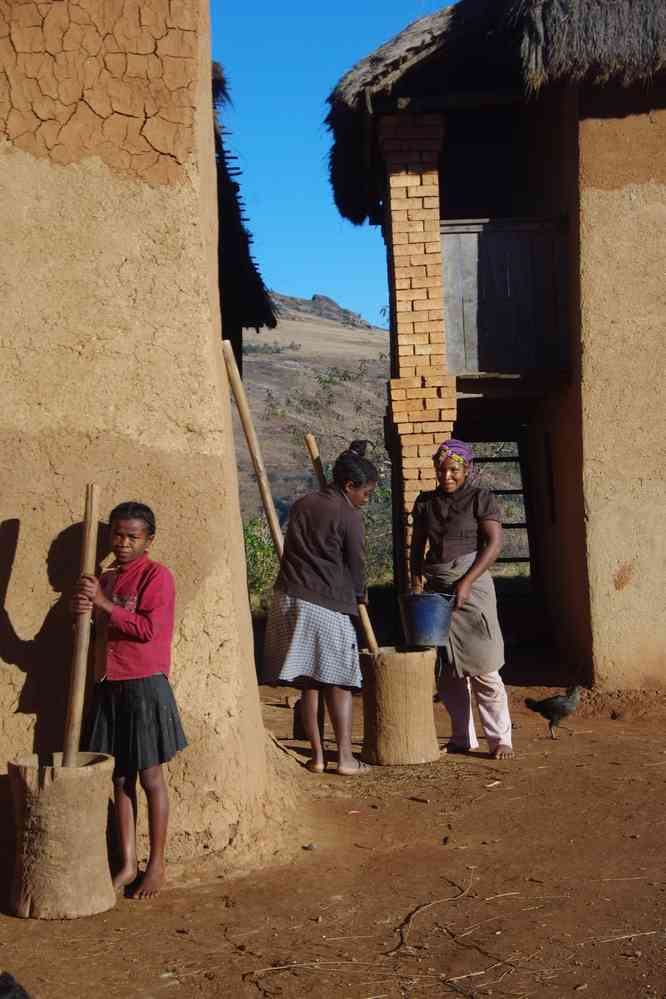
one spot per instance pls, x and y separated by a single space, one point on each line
281 62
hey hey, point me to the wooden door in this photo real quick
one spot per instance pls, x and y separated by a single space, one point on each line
502 296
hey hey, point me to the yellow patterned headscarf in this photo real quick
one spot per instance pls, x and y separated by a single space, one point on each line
457 450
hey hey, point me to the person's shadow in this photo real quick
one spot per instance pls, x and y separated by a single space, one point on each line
46 658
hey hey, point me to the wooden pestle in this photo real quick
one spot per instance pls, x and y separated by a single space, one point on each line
77 683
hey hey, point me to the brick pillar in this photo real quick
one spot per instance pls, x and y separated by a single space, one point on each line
422 395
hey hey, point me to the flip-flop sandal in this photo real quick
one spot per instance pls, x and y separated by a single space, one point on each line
315 768
359 770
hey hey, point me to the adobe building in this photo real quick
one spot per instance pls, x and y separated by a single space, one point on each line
515 156
111 371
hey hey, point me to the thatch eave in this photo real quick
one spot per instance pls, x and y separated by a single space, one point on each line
552 41
246 303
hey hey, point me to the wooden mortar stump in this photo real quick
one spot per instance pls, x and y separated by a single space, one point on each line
62 867
398 714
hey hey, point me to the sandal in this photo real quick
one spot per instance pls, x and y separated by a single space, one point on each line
358 771
315 768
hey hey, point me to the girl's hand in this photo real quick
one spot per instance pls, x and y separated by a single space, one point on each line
80 604
462 590
89 587
417 584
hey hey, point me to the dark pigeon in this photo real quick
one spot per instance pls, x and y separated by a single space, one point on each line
10 988
554 709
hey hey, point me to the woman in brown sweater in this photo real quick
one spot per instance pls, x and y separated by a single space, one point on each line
310 639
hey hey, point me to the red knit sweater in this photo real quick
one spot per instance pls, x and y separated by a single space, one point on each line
135 639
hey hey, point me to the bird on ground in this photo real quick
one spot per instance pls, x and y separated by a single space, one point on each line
554 709
10 988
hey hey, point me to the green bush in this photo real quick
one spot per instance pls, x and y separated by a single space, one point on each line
262 562
274 347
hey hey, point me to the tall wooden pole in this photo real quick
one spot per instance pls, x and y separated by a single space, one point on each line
77 683
253 445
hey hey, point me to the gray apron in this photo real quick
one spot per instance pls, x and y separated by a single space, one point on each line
475 644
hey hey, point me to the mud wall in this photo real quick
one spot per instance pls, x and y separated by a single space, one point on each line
110 371
555 427
622 137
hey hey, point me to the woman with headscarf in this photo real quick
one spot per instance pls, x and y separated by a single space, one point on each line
461 525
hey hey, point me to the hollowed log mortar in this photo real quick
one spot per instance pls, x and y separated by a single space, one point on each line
398 717
62 868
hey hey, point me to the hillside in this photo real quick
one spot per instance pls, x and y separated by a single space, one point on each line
316 308
309 374
329 378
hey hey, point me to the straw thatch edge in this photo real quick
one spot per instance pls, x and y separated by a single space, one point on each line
559 40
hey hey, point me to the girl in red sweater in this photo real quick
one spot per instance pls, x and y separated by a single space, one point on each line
134 715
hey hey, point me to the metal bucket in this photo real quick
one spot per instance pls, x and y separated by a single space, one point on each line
426 618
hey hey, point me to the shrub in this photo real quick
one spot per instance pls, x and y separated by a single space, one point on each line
262 562
274 347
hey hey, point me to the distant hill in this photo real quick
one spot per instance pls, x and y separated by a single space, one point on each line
317 307
288 374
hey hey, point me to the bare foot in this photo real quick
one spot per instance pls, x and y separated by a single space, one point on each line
150 884
354 769
315 766
125 876
503 753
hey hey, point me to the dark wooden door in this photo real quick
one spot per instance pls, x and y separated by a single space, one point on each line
503 296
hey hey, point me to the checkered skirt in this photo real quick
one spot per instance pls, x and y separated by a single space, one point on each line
307 642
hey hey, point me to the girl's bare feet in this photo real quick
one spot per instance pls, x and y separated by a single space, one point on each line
354 769
125 876
150 884
503 753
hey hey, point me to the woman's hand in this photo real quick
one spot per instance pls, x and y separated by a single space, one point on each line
417 584
462 590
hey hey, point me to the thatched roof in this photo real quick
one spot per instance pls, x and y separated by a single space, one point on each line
244 297
499 43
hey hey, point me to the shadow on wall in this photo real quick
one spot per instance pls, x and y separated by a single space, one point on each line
7 843
46 658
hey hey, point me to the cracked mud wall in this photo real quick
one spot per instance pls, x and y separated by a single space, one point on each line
110 371
109 78
622 138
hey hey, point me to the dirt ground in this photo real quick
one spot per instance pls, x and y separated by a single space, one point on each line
541 877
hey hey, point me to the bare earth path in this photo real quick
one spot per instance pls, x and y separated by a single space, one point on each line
544 877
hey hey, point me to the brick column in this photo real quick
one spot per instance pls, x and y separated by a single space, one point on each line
422 395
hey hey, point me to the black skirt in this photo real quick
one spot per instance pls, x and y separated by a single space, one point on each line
137 722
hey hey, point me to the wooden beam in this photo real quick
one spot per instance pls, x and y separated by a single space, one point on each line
448 102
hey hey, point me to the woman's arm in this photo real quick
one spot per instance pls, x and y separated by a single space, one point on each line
491 533
353 553
416 553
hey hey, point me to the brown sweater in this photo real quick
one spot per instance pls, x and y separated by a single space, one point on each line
323 560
